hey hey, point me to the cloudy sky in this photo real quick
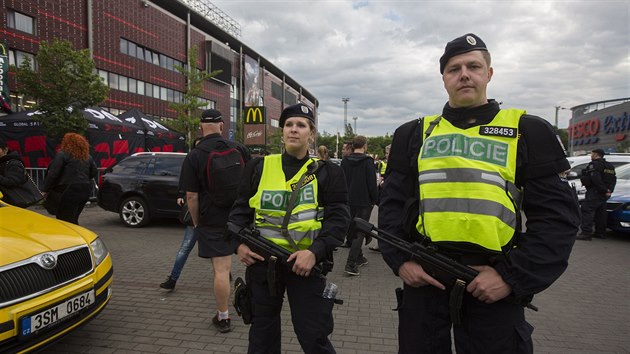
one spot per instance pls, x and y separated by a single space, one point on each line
384 55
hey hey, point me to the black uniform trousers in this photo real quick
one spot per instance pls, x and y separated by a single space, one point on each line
425 325
594 211
311 314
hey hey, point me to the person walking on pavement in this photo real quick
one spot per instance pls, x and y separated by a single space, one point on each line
209 209
316 225
599 179
471 170
362 195
382 170
72 171
12 171
188 243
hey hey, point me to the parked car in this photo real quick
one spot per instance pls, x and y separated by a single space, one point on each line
578 163
54 277
142 186
618 207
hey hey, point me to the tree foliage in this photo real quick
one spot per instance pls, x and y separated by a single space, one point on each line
189 110
64 83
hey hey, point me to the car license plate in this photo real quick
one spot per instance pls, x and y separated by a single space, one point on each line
52 315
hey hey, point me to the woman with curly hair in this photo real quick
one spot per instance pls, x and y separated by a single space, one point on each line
71 173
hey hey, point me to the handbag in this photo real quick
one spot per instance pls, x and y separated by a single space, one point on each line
53 199
23 195
184 216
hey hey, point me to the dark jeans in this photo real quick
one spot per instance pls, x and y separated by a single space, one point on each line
73 201
357 238
425 325
311 314
188 243
594 211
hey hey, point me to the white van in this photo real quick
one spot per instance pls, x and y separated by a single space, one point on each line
578 163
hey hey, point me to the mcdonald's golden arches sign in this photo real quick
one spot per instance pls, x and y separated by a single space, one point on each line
255 115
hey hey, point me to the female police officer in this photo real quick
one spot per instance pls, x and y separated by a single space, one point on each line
317 225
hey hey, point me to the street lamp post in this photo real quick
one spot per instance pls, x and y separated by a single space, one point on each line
557 109
345 113
355 124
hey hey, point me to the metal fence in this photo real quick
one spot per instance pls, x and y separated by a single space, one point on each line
39 174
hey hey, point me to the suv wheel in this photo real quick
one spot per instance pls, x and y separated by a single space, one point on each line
134 212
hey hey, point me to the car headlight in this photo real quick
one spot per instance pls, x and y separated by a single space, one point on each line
99 250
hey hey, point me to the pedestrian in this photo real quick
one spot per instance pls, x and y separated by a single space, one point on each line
382 169
12 171
316 225
362 195
72 173
322 152
471 170
210 192
599 179
188 243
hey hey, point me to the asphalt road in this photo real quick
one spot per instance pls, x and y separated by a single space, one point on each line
586 311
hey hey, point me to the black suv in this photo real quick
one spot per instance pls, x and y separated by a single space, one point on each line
142 186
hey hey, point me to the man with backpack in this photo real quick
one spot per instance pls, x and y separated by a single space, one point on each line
210 174
599 179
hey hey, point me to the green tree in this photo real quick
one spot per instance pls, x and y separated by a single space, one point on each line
64 83
188 111
274 141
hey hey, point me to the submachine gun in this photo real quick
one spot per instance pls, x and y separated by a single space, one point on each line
272 252
444 269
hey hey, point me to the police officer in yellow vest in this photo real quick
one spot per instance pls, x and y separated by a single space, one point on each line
472 170
317 225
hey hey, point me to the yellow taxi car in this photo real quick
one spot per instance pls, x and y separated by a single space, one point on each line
54 277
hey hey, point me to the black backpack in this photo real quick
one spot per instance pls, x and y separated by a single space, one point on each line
224 169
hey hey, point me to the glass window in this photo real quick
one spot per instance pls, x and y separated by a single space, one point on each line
21 22
132 49
124 46
167 166
156 59
122 83
141 87
156 91
163 61
132 166
20 57
170 95
104 76
169 63
140 52
113 81
148 55
163 93
133 85
148 88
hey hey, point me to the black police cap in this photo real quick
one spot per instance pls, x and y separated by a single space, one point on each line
460 45
211 116
297 110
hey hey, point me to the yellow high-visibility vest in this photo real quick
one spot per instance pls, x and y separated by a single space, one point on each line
466 182
270 205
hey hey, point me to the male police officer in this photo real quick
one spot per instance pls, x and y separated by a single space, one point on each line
473 168
599 179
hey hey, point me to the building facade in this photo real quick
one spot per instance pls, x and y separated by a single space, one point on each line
600 125
136 46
